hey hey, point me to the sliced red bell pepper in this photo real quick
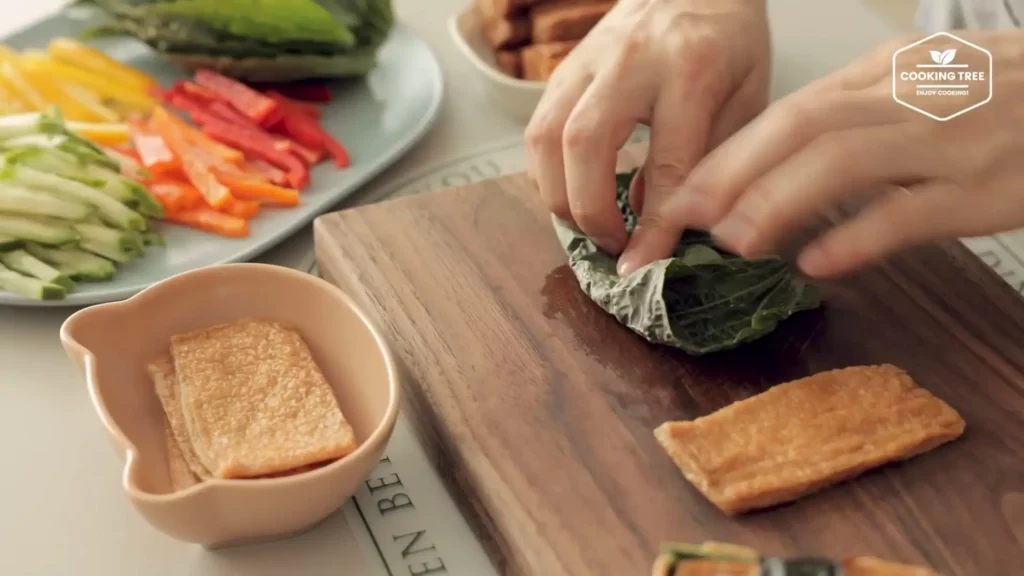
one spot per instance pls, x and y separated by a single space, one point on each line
294 105
303 129
337 151
196 91
308 156
309 133
310 92
266 171
227 112
243 140
273 120
248 101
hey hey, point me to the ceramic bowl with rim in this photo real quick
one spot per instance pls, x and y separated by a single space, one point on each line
111 344
515 96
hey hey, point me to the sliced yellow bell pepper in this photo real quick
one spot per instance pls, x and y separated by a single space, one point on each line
82 55
7 54
55 93
102 86
92 101
9 103
103 133
15 82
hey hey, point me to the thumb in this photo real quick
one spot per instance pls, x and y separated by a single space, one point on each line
680 125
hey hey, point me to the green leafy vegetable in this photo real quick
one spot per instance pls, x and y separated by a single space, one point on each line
675 554
257 40
700 300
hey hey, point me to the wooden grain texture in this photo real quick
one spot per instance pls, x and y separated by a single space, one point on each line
539 408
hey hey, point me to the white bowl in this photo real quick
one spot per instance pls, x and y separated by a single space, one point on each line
514 96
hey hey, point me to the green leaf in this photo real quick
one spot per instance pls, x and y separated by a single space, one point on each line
701 300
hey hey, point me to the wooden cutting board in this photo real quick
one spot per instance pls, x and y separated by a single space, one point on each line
539 407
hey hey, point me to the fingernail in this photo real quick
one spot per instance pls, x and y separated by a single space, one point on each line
734 232
627 264
812 260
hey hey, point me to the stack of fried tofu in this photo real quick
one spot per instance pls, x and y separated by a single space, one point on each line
530 38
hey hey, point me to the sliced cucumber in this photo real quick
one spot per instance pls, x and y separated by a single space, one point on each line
22 261
16 125
109 209
33 288
74 263
10 242
48 232
20 200
117 245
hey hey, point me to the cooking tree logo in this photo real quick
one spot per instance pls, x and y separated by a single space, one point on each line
942 76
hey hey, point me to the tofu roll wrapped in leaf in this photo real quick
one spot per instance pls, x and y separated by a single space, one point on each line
716 559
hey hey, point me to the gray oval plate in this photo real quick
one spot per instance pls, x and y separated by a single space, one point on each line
378 118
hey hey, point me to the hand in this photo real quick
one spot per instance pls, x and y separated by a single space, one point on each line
843 137
694 70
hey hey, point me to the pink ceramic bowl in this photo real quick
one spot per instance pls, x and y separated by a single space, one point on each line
111 344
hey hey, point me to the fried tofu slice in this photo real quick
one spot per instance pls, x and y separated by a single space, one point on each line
540 60
562 20
177 469
256 403
507 33
805 435
509 62
503 8
165 383
867 566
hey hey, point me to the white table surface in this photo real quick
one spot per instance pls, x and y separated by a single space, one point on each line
63 509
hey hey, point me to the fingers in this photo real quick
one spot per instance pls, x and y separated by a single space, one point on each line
596 129
912 216
636 191
832 168
544 138
778 133
749 101
681 123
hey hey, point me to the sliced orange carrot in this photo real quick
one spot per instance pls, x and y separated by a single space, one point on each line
223 152
155 154
210 220
250 189
176 196
266 171
195 165
199 140
247 209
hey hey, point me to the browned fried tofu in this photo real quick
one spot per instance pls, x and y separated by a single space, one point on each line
503 8
510 62
868 566
805 435
506 33
540 60
255 401
165 383
561 20
178 470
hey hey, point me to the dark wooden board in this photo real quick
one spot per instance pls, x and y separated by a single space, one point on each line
539 408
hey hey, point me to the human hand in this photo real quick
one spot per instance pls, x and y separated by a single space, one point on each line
844 137
695 71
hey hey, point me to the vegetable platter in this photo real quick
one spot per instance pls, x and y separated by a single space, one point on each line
122 165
